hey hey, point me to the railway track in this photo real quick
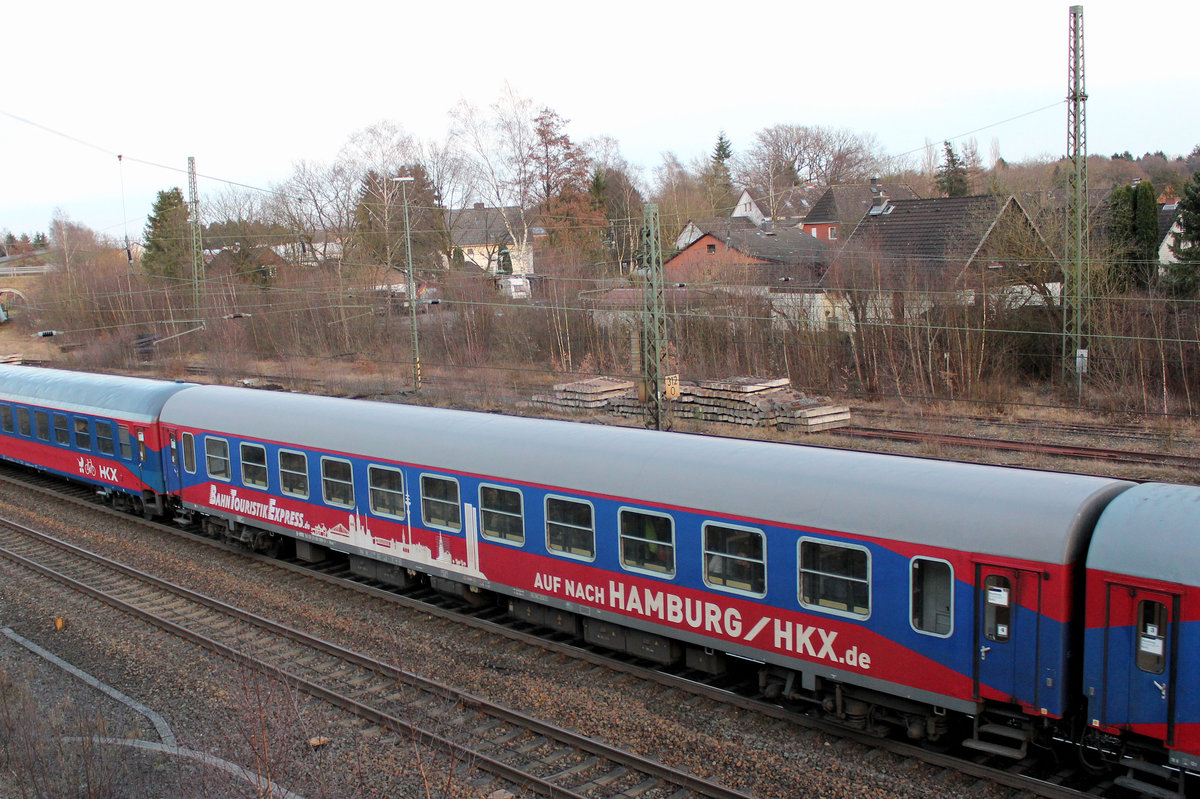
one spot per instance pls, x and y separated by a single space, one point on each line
567 758
526 754
1041 448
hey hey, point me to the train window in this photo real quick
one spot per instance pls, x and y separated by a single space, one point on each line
1152 636
835 578
931 596
439 502
387 490
6 418
569 527
189 453
23 422
216 458
104 439
293 473
997 612
254 465
502 513
83 434
41 423
734 557
125 442
337 482
62 434
647 541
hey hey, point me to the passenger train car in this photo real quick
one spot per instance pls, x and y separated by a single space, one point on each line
892 592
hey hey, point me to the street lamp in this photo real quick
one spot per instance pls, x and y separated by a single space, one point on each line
412 289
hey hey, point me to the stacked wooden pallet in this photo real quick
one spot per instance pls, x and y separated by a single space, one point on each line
597 392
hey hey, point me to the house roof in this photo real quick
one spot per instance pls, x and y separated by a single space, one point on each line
935 229
848 204
482 226
1167 214
787 255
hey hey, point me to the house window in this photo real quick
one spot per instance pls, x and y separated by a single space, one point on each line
833 232
502 513
386 486
835 578
569 527
712 248
439 502
337 482
734 558
647 541
254 465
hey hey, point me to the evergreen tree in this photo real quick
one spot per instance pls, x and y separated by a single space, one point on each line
723 151
168 243
952 175
40 242
717 180
1185 273
1133 235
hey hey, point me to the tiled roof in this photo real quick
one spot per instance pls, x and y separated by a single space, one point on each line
936 229
847 204
787 245
1167 214
482 227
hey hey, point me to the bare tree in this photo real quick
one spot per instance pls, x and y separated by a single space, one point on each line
497 149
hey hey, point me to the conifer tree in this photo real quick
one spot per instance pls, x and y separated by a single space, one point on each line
952 175
1185 273
168 244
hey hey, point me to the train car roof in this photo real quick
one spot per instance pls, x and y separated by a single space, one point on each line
1039 516
133 398
1151 531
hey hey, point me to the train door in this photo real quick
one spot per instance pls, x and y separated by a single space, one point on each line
172 475
1139 663
1007 613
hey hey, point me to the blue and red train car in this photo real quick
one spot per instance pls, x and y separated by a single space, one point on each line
892 591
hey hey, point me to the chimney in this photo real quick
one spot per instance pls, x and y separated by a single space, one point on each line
478 206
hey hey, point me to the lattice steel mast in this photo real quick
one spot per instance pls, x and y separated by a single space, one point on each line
1077 283
654 323
197 248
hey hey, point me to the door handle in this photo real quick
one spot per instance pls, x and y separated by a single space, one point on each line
983 650
1162 688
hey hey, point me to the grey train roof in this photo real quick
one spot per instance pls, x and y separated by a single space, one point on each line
1151 531
136 398
1041 516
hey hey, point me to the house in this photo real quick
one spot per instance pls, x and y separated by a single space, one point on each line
484 237
1170 225
783 268
906 256
839 208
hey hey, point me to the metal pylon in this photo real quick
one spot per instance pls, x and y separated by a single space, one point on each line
1077 279
654 323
